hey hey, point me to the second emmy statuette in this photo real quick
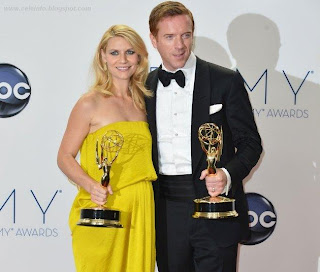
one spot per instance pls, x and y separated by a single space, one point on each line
111 143
211 140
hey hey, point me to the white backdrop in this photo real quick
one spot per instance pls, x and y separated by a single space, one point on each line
53 43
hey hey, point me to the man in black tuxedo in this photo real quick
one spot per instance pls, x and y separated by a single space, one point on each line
189 92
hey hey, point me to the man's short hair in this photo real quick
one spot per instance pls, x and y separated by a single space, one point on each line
164 10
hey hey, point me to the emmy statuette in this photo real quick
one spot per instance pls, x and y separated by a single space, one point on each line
111 143
211 140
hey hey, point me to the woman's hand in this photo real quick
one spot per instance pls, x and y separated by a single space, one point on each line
99 193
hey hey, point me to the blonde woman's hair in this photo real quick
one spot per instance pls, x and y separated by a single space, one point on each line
103 78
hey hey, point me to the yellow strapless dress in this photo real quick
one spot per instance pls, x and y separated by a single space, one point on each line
131 248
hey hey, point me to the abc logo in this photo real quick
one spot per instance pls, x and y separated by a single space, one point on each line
262 218
15 90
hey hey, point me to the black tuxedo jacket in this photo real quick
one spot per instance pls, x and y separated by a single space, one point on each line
241 141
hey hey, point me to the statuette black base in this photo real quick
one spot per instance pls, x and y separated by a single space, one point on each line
214 208
99 217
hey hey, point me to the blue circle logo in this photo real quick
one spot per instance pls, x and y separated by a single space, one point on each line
262 218
15 90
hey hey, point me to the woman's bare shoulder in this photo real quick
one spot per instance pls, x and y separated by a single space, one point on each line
88 102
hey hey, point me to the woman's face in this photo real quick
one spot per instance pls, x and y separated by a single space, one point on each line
120 58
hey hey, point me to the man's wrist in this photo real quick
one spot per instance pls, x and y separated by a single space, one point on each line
228 185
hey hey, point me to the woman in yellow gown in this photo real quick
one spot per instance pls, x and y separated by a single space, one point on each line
115 102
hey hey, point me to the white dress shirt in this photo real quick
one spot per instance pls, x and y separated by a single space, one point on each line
174 112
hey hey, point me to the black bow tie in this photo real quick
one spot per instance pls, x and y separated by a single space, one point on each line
165 78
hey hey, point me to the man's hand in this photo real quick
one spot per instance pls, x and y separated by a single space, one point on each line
215 183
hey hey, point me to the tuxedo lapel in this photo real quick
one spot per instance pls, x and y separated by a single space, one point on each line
152 84
200 111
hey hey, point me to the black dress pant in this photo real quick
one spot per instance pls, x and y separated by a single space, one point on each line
185 244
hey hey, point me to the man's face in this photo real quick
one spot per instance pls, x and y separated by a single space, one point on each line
174 41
